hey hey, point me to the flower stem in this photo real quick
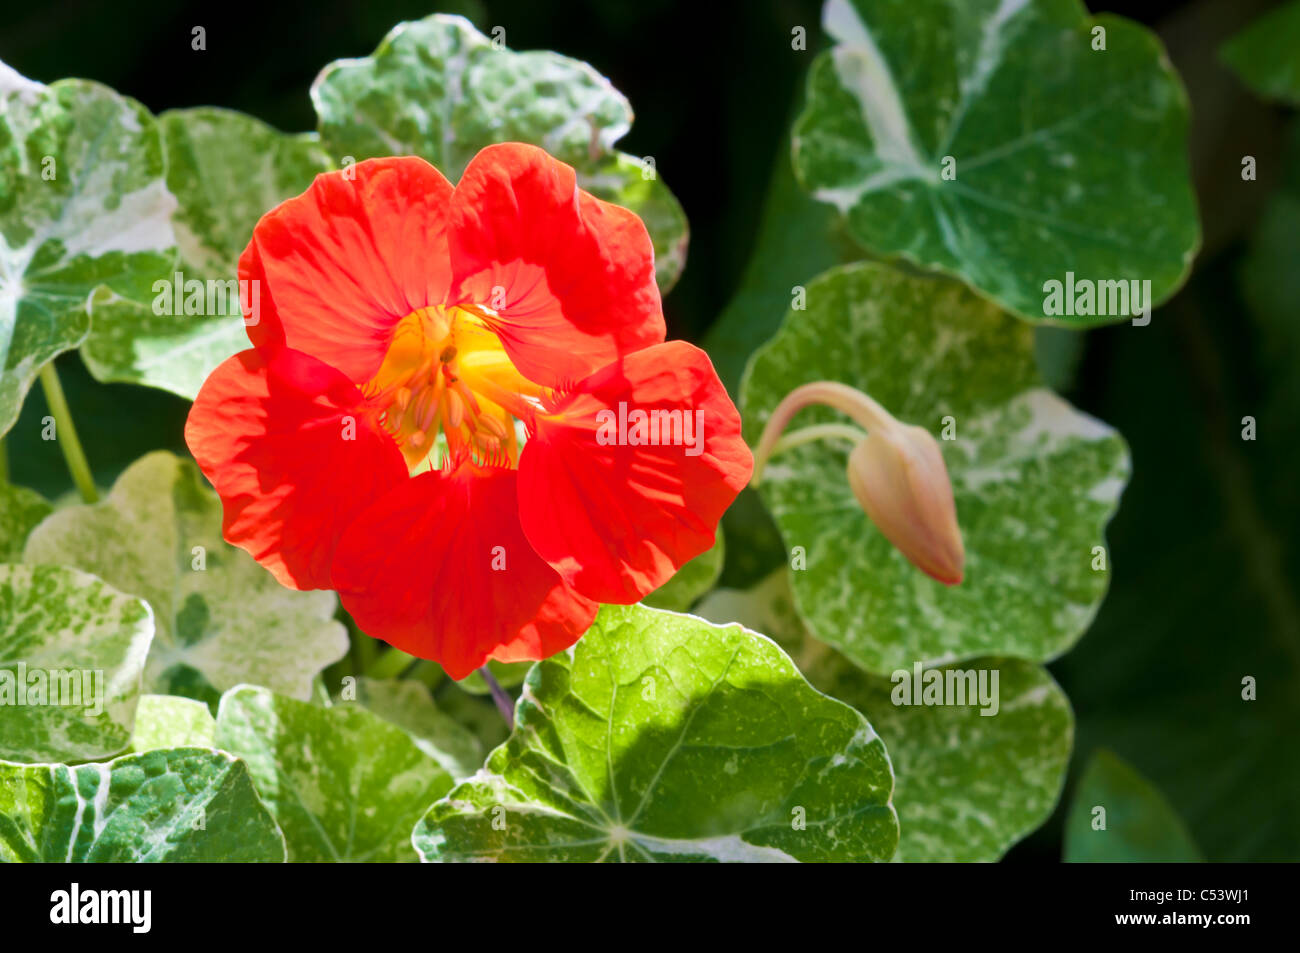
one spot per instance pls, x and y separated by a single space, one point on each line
804 435
505 704
391 663
66 434
854 404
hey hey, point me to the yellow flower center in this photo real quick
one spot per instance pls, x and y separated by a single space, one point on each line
445 371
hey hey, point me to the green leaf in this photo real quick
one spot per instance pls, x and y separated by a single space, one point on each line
968 785
20 510
661 737
226 170
83 207
1266 54
439 89
179 804
407 705
1067 158
344 784
693 580
169 721
72 650
1140 826
222 619
1035 481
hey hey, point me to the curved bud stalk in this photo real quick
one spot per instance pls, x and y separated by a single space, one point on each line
895 471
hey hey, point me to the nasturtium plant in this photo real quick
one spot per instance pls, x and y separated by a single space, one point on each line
343 783
72 651
1036 142
221 618
224 170
662 737
174 804
1266 54
1034 480
84 212
442 576
970 779
439 89
1118 817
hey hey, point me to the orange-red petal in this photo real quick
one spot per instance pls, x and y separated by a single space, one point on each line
570 279
338 266
291 451
616 520
441 569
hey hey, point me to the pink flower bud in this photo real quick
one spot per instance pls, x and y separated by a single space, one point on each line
899 478
895 470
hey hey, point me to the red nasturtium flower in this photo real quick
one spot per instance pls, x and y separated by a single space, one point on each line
394 307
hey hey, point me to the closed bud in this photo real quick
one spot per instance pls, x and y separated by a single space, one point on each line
895 470
899 478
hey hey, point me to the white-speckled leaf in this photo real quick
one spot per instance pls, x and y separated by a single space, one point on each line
1266 54
72 650
660 737
83 207
437 88
170 721
226 170
173 805
343 783
693 580
408 705
1035 481
20 510
968 786
1066 157
220 625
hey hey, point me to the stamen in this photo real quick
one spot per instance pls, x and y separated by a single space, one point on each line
455 409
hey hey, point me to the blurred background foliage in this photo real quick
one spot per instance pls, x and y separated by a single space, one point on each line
1206 546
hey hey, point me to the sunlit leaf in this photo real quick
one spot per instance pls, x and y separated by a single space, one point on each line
662 737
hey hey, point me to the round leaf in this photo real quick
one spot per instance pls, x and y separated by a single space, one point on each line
1035 481
661 737
999 143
